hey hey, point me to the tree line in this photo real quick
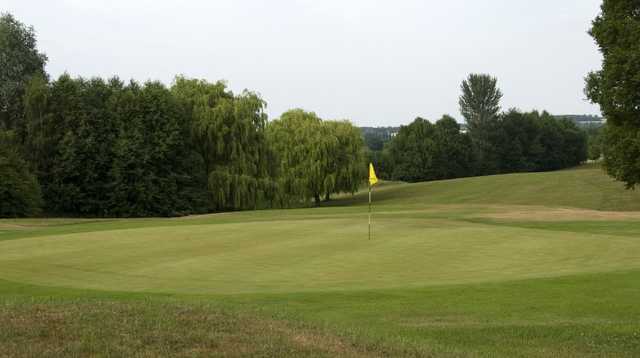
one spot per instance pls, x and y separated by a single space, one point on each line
494 142
102 147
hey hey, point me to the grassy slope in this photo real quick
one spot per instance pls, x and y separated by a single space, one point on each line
585 187
437 279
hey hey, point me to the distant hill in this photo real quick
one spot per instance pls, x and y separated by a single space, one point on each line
584 120
382 132
375 137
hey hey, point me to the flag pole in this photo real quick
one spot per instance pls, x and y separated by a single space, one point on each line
372 181
369 211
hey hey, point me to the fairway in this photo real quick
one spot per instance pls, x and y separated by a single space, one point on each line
450 262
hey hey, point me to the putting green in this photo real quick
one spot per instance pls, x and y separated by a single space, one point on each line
298 252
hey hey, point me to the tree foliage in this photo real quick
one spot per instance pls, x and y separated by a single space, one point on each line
104 148
595 141
19 61
19 189
616 87
377 141
480 101
80 171
151 172
522 142
345 158
515 142
480 106
317 158
228 132
424 151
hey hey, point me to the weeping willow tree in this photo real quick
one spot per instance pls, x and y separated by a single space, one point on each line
346 162
228 132
316 158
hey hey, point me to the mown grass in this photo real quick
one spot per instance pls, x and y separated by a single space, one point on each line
152 327
310 255
574 316
584 187
448 273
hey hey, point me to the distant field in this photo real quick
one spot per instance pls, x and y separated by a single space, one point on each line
541 264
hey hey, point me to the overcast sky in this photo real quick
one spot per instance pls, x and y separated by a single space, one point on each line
374 62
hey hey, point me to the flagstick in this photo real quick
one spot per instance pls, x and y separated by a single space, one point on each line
369 212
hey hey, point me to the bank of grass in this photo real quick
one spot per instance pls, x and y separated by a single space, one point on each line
450 272
584 187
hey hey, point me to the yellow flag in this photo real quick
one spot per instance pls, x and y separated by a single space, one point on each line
373 179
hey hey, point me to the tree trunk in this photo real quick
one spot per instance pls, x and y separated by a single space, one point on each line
317 199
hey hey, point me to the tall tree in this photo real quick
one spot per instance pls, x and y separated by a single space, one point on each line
79 179
454 156
299 141
317 158
346 160
480 100
616 87
151 173
412 151
480 105
228 131
514 141
19 61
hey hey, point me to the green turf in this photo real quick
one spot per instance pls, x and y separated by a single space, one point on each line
309 255
440 277
585 187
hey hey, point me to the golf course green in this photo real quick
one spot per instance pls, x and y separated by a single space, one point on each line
538 264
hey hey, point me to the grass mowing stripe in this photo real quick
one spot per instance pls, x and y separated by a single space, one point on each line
615 228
